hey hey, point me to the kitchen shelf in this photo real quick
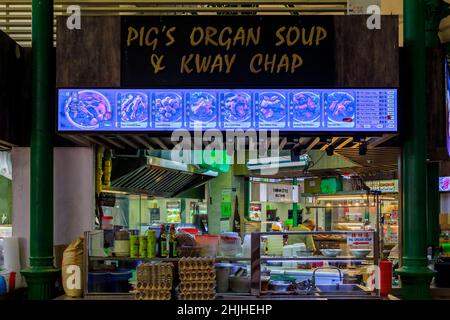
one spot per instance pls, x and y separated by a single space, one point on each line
315 258
314 232
132 259
334 207
232 259
92 258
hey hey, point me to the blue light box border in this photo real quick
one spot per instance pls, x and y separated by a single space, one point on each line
331 110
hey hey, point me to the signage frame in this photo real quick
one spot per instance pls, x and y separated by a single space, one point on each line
323 54
282 133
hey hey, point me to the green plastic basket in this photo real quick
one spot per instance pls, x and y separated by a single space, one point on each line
280 277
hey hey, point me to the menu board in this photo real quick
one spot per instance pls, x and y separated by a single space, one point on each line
444 184
167 110
290 110
201 109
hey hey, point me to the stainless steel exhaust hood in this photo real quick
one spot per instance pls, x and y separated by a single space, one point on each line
161 178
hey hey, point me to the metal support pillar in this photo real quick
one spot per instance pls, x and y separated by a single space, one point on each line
414 273
41 275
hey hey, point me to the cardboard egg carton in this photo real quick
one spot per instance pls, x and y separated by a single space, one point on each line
150 272
153 295
154 285
197 296
193 275
203 263
197 286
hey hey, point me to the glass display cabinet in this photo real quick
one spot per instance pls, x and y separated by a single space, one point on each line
296 272
273 264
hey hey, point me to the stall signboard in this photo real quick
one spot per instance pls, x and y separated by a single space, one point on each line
286 110
226 203
384 186
360 239
279 193
217 51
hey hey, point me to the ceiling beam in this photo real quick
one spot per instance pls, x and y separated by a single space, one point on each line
312 144
303 141
112 142
78 140
97 142
357 143
127 141
142 141
333 140
283 143
7 144
344 143
375 142
160 143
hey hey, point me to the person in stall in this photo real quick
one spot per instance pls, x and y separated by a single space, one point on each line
308 225
277 225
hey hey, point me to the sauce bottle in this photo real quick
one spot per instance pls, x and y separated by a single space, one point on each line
162 243
172 242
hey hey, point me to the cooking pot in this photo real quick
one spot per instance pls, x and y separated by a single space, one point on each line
240 284
280 286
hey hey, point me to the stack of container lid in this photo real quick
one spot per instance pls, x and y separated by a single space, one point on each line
154 281
197 279
275 245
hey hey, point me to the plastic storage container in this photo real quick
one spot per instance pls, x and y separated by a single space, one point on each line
208 244
193 231
223 279
120 281
230 244
246 246
122 248
99 282
107 223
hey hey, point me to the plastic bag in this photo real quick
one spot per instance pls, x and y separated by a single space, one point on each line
72 266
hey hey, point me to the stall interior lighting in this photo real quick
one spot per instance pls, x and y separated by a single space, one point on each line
340 198
343 260
115 192
388 198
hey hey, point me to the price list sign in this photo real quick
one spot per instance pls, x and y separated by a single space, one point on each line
360 239
376 109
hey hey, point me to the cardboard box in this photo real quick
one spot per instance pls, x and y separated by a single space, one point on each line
312 185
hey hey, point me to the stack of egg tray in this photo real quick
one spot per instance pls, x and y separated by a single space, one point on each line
154 281
197 279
